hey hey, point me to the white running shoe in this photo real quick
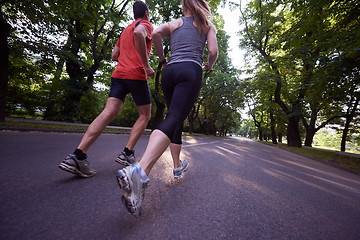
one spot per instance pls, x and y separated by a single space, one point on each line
179 172
133 180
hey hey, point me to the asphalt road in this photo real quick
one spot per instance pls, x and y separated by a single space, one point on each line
234 189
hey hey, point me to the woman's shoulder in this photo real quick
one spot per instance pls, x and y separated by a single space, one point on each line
211 26
176 24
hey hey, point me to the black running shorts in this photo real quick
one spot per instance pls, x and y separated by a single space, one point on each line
139 90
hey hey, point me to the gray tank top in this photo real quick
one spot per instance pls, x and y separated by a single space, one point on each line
186 43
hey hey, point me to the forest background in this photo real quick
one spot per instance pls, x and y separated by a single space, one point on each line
299 83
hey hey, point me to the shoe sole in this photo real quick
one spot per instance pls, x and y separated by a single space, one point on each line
73 170
178 177
132 209
186 168
128 202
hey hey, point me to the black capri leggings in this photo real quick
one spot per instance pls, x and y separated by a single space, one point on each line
181 84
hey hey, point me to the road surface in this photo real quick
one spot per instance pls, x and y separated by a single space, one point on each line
234 189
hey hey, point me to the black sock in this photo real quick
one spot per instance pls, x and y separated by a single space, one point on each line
79 154
128 151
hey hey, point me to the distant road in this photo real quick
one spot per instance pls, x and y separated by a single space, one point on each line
234 189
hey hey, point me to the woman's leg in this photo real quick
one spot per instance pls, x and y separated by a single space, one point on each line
158 143
175 150
186 80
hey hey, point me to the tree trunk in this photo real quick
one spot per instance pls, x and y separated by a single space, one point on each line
159 113
310 133
75 85
260 134
158 100
344 135
293 133
272 126
191 124
50 112
349 117
213 128
310 128
4 64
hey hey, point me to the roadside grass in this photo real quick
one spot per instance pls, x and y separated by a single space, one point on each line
325 155
41 126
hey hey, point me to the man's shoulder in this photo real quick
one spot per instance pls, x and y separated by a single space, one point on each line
141 21
146 23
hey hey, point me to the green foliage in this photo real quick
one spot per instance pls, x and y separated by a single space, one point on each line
60 51
65 43
92 104
128 115
248 129
221 96
327 138
308 58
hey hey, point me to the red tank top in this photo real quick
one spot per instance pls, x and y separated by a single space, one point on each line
129 62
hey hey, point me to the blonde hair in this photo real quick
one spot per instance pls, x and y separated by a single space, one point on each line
201 12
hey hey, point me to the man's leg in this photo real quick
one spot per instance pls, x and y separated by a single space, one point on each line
139 126
76 162
111 110
127 157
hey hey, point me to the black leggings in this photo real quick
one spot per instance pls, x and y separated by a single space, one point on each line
181 84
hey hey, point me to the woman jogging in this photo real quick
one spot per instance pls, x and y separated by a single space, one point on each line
181 84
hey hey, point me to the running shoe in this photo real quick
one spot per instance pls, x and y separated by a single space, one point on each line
133 180
179 172
125 159
75 166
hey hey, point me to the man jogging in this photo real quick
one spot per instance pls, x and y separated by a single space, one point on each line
132 52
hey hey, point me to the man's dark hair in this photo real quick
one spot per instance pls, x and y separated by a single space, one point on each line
139 9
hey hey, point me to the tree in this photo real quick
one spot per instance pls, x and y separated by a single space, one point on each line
59 59
247 129
221 96
299 40
63 35
261 35
27 43
324 31
10 38
4 63
91 29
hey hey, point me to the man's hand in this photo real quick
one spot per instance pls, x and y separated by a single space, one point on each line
149 72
